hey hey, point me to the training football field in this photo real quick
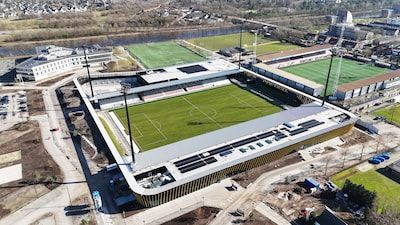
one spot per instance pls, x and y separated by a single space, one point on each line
156 55
317 71
264 45
391 113
170 120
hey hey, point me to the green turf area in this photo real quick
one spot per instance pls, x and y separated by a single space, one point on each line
386 189
170 120
264 45
156 55
317 71
114 139
216 43
390 113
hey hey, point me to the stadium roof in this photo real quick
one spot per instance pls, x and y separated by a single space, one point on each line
178 75
200 142
366 82
167 84
289 76
278 55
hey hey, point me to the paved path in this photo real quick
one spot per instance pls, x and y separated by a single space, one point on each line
271 214
54 201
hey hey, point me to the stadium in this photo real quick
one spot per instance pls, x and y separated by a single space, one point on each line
197 123
307 69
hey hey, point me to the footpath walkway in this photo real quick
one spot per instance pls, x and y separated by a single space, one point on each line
271 214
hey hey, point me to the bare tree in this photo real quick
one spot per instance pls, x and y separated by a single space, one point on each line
344 154
327 161
362 150
379 140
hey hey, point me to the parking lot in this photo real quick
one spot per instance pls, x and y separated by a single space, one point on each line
13 109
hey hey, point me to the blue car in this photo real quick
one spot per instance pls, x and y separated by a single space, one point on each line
385 155
374 161
380 158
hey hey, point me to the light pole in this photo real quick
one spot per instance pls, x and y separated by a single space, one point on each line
88 72
240 43
125 88
327 80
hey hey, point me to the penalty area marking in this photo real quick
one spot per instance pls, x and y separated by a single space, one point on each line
157 128
193 105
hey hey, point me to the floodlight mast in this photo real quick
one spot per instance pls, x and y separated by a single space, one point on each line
240 42
327 80
88 72
125 88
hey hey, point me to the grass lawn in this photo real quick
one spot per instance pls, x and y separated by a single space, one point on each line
167 121
215 43
156 55
386 189
273 47
114 139
264 45
317 71
390 112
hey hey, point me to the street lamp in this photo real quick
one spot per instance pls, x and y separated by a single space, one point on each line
124 90
240 43
327 80
87 68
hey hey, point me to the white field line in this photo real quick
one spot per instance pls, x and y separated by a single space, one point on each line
202 112
158 129
244 102
122 131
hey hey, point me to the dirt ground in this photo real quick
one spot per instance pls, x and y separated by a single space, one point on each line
54 80
258 219
290 199
354 137
200 216
245 178
80 121
35 102
40 172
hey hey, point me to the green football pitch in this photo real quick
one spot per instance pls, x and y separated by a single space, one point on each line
156 55
264 45
170 120
317 71
387 190
391 113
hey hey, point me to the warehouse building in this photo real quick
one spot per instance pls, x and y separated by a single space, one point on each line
358 88
52 60
294 81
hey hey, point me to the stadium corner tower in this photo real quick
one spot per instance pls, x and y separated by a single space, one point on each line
176 169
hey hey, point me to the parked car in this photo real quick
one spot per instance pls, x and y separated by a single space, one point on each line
385 155
374 161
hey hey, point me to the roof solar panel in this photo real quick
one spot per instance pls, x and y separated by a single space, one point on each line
192 69
297 131
265 135
192 166
307 122
225 153
244 142
220 149
311 125
186 161
210 160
